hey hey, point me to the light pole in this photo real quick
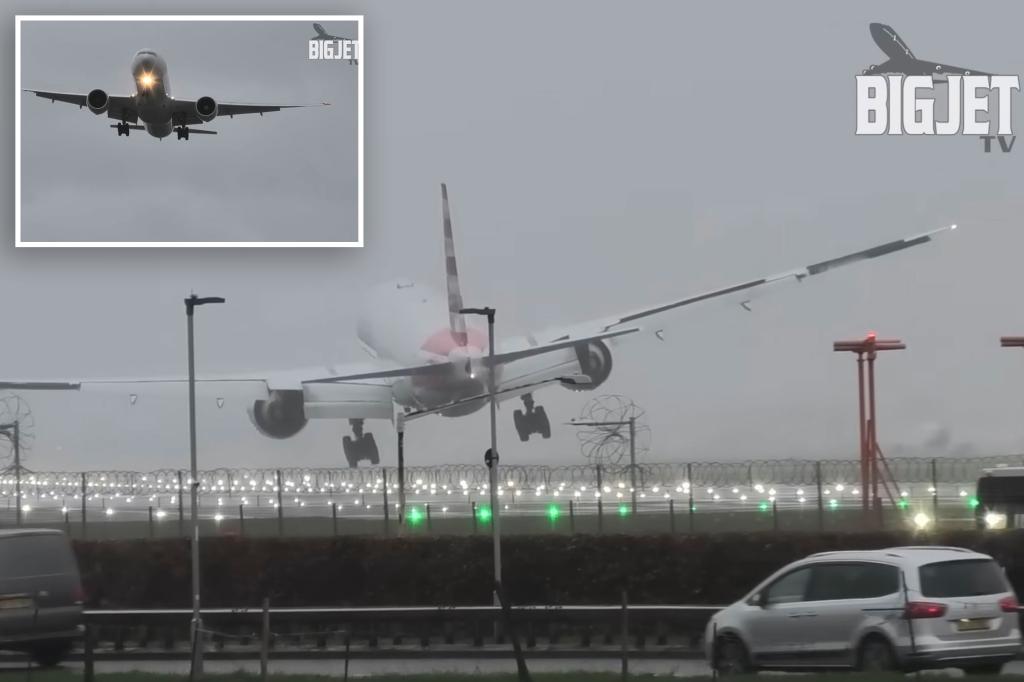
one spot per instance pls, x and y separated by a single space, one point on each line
631 423
13 434
197 653
491 457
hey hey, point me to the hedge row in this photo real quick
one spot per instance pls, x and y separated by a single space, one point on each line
582 569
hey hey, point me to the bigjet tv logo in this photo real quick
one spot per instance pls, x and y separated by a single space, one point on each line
326 46
899 97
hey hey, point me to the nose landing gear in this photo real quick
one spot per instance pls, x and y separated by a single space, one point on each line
361 446
533 420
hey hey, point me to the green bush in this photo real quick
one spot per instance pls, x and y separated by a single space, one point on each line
581 569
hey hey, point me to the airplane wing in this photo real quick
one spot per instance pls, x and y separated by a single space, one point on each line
743 289
187 109
121 107
946 69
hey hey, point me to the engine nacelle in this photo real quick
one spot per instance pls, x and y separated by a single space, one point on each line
595 360
206 109
281 416
97 100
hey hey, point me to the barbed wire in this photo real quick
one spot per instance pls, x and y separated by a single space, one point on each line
460 477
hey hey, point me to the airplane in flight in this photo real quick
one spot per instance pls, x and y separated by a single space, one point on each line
153 105
322 34
902 60
426 358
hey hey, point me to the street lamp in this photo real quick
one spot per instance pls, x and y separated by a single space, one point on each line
13 434
631 423
491 458
190 305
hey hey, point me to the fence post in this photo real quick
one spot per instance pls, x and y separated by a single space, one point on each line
150 522
572 518
672 516
87 656
280 504
775 515
85 493
384 476
935 494
430 523
821 499
334 517
625 636
472 512
181 504
600 502
265 640
241 520
689 490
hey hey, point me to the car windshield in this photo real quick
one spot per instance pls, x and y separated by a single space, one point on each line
965 578
31 555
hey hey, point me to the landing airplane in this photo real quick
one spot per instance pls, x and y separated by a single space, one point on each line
421 365
902 60
153 105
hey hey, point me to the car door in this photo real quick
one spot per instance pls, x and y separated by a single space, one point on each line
772 615
843 600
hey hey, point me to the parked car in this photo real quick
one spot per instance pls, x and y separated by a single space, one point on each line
905 608
40 594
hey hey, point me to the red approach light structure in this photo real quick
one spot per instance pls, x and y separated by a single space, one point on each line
870 454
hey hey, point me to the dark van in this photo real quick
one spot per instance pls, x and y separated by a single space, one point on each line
40 594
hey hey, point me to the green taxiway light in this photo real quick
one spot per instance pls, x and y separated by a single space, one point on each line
623 510
973 502
902 504
554 512
833 503
415 516
763 506
484 514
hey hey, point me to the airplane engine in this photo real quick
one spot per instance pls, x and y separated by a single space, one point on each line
206 109
282 416
595 360
97 100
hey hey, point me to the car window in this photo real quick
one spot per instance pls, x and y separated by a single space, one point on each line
30 555
966 578
852 581
789 588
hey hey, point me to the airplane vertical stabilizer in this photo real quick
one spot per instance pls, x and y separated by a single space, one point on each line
456 322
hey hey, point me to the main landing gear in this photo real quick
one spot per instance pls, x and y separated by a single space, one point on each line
123 128
361 446
533 420
182 132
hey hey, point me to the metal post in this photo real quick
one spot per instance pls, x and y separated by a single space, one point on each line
625 636
84 495
689 490
873 439
821 500
17 473
672 516
181 504
865 472
334 518
387 515
280 504
241 520
491 388
265 640
600 505
572 518
400 420
935 494
472 512
151 522
197 658
430 523
775 515
632 460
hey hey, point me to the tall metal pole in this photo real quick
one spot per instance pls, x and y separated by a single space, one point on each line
872 442
491 388
865 475
197 655
400 423
632 460
17 471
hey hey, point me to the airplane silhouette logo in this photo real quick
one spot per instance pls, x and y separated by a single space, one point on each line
902 60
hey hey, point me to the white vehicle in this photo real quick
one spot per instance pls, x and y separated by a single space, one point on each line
426 359
153 105
905 608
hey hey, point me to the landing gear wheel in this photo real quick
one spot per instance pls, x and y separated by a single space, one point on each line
123 129
520 421
731 658
349 447
182 132
876 655
543 426
369 446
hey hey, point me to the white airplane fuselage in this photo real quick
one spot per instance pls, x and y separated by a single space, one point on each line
152 92
406 324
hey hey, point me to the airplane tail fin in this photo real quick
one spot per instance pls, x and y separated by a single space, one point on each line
319 30
456 321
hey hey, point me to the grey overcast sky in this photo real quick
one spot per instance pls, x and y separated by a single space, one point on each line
290 175
598 158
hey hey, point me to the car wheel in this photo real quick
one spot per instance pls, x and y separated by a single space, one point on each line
987 669
876 655
731 657
50 654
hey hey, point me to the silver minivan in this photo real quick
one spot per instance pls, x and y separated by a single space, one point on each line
40 594
904 608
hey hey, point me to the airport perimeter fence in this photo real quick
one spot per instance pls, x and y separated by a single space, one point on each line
455 497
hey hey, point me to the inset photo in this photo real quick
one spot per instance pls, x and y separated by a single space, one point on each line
188 131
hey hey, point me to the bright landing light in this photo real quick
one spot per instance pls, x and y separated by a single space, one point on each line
147 80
